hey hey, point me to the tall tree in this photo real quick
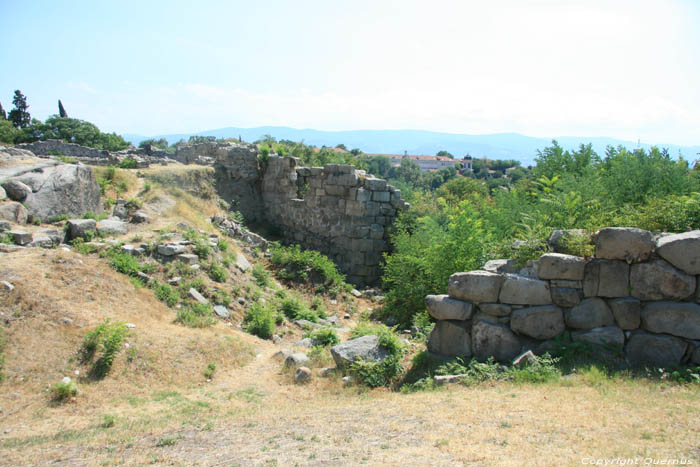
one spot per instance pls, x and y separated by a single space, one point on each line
62 111
3 115
19 115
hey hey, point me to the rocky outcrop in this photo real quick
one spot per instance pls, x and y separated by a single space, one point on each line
366 348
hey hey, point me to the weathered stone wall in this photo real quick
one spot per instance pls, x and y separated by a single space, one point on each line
639 293
337 210
51 147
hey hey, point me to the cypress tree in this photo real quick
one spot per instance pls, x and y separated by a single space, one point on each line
19 115
61 111
3 116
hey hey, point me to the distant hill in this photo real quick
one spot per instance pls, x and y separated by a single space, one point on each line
494 146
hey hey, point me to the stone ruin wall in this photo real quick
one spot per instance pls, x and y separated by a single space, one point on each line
338 210
51 147
639 293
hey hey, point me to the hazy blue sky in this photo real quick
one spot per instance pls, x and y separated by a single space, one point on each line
626 69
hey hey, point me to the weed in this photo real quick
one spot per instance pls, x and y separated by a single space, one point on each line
196 315
224 245
293 308
376 374
63 391
221 297
107 338
7 239
128 163
387 338
217 273
165 293
210 370
295 264
261 275
167 441
260 321
108 421
327 337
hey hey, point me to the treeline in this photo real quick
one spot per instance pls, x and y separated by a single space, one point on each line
464 223
18 127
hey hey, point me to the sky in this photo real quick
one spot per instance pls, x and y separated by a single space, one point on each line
616 68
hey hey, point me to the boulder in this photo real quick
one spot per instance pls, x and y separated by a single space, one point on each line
120 210
63 189
601 336
41 241
242 263
590 313
14 212
296 360
560 266
658 280
494 340
55 235
451 338
21 237
501 266
695 356
538 322
197 296
519 290
3 193
625 243
140 217
627 312
606 278
221 311
112 226
78 228
4 225
188 258
302 375
654 349
495 309
171 249
366 348
681 250
558 238
444 307
475 286
481 316
16 190
680 319
565 296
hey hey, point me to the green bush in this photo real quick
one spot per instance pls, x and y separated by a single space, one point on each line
63 391
295 264
196 315
327 337
210 370
261 275
376 374
217 273
128 163
107 339
387 338
260 321
165 293
123 262
221 297
293 308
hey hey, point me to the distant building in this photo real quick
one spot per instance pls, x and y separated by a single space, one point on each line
426 163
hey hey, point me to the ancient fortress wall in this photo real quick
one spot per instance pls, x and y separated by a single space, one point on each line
639 293
337 209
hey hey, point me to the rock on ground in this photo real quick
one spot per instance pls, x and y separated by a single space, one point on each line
366 348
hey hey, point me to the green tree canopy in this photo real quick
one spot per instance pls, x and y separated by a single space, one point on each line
161 143
71 130
3 115
444 153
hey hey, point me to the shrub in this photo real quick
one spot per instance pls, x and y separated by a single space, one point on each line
217 273
107 338
260 321
387 338
196 315
327 337
221 297
261 275
165 293
202 249
376 374
7 239
123 262
63 391
128 163
108 421
295 264
293 308
209 371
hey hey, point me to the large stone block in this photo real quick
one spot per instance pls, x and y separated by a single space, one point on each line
566 296
654 349
494 340
601 336
560 266
451 339
78 228
681 250
590 313
366 348
444 307
538 322
381 196
606 278
14 212
519 290
627 312
680 319
626 243
475 286
658 280
16 190
495 309
501 266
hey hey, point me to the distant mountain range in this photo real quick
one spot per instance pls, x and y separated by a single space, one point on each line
494 146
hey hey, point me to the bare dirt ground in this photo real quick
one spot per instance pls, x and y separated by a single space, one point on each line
164 412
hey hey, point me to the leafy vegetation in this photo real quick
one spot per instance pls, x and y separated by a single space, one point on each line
63 391
294 264
196 315
260 320
326 337
106 341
